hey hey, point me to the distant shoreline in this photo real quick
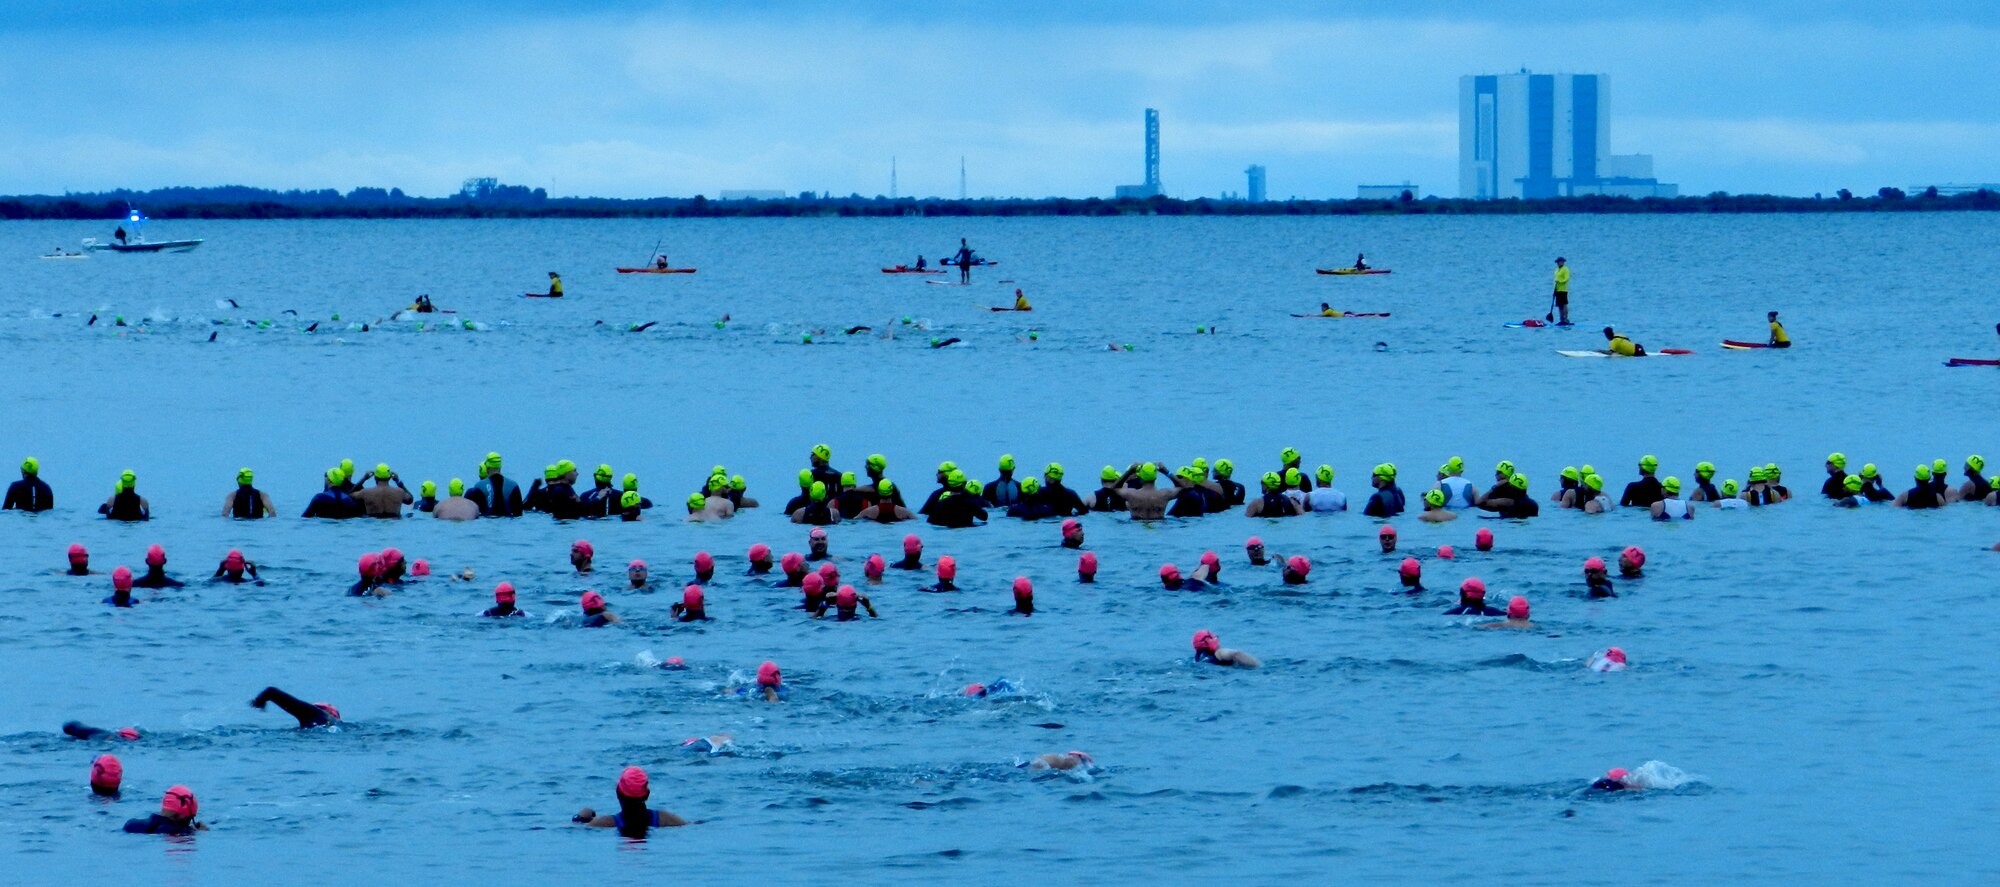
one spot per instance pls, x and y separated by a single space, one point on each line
249 203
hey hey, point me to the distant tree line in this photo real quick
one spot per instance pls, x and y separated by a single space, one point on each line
486 198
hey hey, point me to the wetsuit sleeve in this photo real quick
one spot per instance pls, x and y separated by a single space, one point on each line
77 730
307 714
13 496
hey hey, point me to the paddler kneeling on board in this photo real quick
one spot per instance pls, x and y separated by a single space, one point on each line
1326 310
1622 346
423 305
1778 337
555 286
1021 302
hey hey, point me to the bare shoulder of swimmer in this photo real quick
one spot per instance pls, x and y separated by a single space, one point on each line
1054 762
1238 658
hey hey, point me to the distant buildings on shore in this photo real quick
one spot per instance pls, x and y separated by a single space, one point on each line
1535 136
1150 187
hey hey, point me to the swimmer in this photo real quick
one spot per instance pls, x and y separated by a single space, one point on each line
760 560
246 502
813 592
853 498
1024 597
1325 498
1446 553
1172 580
1069 760
1645 491
771 682
1612 659
581 552
1386 537
30 494
636 577
1483 540
700 508
873 569
1297 568
1923 494
1209 570
1072 534
1517 616
1616 780
1208 649
76 730
1782 493
820 462
386 498
1566 485
1296 486
1254 550
1272 502
1108 498
332 502
886 509
692 607
1004 490
125 503
1835 485
816 545
1671 506
1458 492
998 687
816 511
1030 506
1435 511
1872 486
503 603
712 744
370 582
704 566
1086 568
499 497
1510 498
1061 500
1388 499
793 565
1704 483
1143 500
955 505
1411 573
156 570
1589 496
595 613
1503 485
235 569
79 560
1597 579
176 816
1730 500
913 554
1472 600
455 506
1976 487
846 604
1631 562
121 588
317 714
633 818
107 773
947 570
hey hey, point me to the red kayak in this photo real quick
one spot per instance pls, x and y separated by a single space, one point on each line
905 269
656 270
1971 362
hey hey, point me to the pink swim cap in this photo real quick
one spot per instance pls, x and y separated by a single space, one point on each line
1254 543
1086 564
813 582
1615 655
327 707
503 593
582 547
1483 539
1410 567
875 566
1635 555
845 596
633 784
77 552
768 675
121 579
760 553
155 556
1385 531
1596 563
912 544
703 562
1023 588
392 556
1472 588
106 772
635 565
1209 558
1206 640
691 596
370 564
592 601
1169 572
1617 774
675 661
946 567
1517 608
1298 564
975 689
179 803
129 734
233 560
817 534
1071 527
1445 552
420 568
829 572
792 562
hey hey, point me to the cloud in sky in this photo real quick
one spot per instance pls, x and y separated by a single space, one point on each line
1041 98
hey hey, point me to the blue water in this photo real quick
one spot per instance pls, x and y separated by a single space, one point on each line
1819 674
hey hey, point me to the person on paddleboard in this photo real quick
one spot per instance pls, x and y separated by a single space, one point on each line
555 286
1021 302
964 260
1562 290
1619 345
1778 337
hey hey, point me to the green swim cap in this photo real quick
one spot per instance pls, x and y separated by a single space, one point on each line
429 489
1976 463
1923 472
1852 483
1199 464
382 471
818 491
550 472
1504 469
1756 474
1007 462
736 482
347 467
1771 471
1149 472
1224 468
847 478
947 467
1729 487
1434 498
1030 486
334 476
878 461
1288 456
629 499
1324 473
1292 477
1837 460
884 487
31 465
1869 470
245 476
1387 469
1648 462
805 478
1940 467
1704 470
492 462
631 481
1594 482
482 471
1454 465
717 483
1571 474
1186 472
456 487
822 452
602 473
973 487
722 470
696 501
1671 484
1054 471
127 477
1109 473
955 479
564 466
1520 481
1270 480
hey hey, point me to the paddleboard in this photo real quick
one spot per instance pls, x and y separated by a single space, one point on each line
1971 362
1537 325
1351 272
975 262
1743 346
656 270
1010 309
946 283
538 296
899 269
1664 352
1348 314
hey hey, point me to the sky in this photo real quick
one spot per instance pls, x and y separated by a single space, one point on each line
1040 98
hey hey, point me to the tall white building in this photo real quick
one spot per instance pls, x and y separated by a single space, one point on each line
1543 135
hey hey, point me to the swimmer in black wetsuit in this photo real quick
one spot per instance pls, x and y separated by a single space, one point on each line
1024 597
235 569
156 571
107 773
940 343
633 818
846 605
913 554
121 588
370 582
1208 649
1086 568
947 570
1618 779
503 603
595 614
813 591
793 565
692 607
87 733
1254 550
1597 579
1472 600
309 715
125 503
30 493
760 560
1107 497
997 687
176 816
